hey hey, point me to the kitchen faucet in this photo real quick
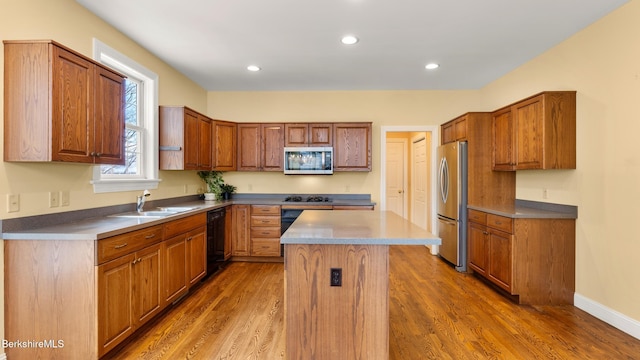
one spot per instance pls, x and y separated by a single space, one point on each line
141 199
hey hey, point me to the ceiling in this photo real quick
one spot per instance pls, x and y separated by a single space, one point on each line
296 43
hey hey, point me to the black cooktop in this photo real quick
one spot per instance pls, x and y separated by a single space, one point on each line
312 198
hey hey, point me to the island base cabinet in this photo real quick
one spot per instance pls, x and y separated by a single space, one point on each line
337 322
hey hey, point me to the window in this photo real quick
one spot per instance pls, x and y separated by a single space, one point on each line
140 170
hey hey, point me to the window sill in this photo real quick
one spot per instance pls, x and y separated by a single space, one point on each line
116 185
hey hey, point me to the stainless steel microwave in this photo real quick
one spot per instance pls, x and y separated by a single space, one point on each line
308 160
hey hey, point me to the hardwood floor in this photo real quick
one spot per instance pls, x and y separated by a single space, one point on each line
435 313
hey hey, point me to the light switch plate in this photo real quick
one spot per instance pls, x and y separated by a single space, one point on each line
54 199
13 202
64 198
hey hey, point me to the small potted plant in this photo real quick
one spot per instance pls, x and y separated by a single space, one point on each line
213 180
227 190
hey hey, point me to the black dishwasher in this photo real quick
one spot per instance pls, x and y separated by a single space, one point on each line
215 240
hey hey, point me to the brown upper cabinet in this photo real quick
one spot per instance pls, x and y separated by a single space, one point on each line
185 139
60 105
260 146
308 134
454 130
224 145
538 132
352 146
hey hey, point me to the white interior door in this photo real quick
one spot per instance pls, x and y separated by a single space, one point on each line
396 176
420 182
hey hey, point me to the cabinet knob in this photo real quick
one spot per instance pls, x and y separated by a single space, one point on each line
93 153
98 154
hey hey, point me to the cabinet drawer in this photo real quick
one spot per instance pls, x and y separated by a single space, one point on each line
267 220
116 246
478 217
265 232
179 226
265 247
265 209
500 222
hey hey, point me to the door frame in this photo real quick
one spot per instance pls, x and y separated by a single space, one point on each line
435 136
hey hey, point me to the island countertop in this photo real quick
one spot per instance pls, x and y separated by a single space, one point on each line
356 227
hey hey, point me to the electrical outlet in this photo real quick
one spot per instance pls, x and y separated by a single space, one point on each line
545 193
65 198
336 277
54 199
13 202
347 188
250 186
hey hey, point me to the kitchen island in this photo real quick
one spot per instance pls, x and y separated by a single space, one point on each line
337 282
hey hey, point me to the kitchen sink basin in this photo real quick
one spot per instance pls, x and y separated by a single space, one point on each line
146 214
156 213
176 208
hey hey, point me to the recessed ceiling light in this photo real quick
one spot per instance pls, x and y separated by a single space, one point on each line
431 66
253 68
349 40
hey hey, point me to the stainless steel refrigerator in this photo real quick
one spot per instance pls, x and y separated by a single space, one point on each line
452 203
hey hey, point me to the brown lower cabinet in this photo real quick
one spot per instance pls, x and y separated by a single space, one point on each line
532 259
65 290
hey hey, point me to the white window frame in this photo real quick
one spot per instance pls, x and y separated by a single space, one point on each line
149 177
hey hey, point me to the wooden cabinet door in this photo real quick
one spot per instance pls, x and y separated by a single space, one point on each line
241 216
175 268
352 146
224 146
478 248
191 140
196 254
147 284
447 133
109 117
72 137
115 302
503 140
528 120
321 134
460 129
272 147
249 147
228 233
500 269
205 153
296 134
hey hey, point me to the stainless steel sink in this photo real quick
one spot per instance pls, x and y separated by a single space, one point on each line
146 214
176 208
159 212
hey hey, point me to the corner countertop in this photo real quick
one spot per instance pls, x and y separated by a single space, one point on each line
525 209
357 227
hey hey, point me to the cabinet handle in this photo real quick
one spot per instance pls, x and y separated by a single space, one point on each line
136 261
265 233
498 222
265 221
93 153
120 246
98 154
485 232
189 238
150 236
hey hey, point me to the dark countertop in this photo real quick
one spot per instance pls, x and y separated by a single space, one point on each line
99 223
525 209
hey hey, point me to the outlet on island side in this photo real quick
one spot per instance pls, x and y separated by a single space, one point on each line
336 277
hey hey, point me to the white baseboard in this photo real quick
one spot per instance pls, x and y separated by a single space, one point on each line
3 356
610 316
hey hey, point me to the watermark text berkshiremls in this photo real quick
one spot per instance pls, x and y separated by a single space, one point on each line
30 344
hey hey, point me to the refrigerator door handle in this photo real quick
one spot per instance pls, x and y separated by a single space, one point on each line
444 180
